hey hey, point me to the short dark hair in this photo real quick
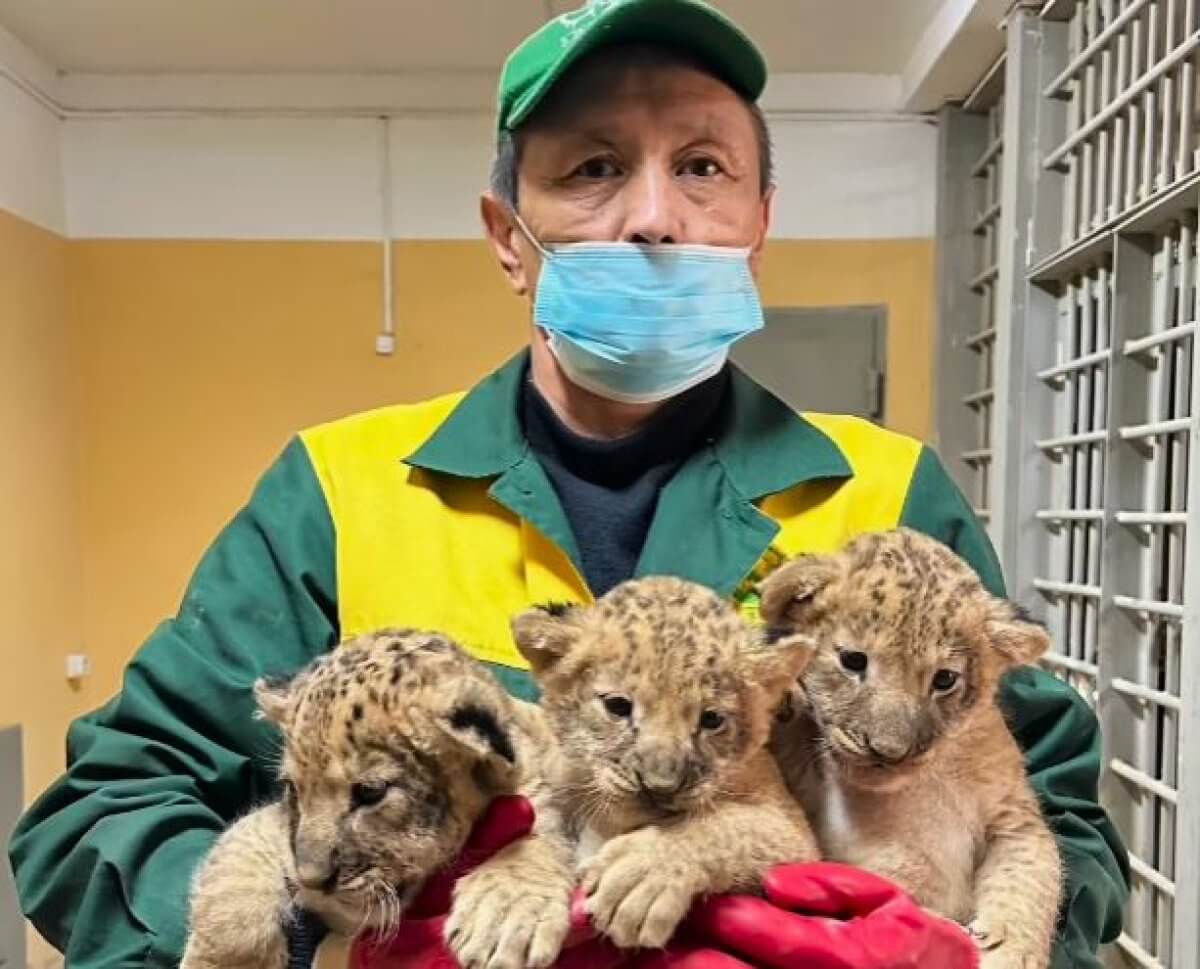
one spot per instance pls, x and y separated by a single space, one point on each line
507 162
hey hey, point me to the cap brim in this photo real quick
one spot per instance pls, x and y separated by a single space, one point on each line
699 29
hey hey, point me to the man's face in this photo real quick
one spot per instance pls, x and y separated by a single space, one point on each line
636 148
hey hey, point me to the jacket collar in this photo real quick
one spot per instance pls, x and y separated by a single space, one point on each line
762 444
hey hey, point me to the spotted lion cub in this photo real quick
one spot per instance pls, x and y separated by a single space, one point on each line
394 744
900 754
660 699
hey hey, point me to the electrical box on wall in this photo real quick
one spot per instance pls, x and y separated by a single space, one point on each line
79 665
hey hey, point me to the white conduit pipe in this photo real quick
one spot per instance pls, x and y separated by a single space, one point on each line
385 341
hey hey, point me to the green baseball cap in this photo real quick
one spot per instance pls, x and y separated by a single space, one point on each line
544 56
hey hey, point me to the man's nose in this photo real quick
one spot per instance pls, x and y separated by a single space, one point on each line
652 209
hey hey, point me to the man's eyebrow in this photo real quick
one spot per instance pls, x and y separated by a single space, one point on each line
712 127
592 134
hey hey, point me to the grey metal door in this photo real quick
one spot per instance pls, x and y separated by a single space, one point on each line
828 359
12 925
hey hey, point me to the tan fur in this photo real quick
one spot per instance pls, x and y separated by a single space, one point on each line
925 786
400 715
672 808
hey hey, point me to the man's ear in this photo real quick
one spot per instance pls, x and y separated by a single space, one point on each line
1015 635
756 248
514 253
477 716
274 697
545 634
775 665
787 593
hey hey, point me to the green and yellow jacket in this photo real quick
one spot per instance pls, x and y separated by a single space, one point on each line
437 515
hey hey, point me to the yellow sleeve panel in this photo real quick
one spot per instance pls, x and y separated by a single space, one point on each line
411 550
822 516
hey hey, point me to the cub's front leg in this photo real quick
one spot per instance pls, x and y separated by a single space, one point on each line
1017 889
513 911
640 885
240 902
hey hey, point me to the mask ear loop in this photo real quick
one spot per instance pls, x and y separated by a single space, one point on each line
542 250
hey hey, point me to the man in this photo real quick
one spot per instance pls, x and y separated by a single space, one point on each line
621 444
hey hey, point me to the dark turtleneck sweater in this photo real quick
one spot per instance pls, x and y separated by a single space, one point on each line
609 488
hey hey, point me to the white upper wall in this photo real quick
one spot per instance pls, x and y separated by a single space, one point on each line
31 184
316 178
288 153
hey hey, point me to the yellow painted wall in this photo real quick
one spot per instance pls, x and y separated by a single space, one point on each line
39 501
199 359
40 548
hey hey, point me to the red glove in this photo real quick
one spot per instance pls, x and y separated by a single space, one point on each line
852 920
419 943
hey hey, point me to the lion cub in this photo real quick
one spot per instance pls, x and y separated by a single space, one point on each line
900 755
394 744
662 789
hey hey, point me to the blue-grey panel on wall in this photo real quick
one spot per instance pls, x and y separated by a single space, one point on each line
12 798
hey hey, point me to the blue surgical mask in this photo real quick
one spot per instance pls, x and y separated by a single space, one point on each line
643 323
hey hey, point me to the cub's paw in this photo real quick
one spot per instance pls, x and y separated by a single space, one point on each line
1005 957
1011 957
501 921
1001 949
637 894
986 935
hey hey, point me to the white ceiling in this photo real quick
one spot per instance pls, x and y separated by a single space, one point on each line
367 36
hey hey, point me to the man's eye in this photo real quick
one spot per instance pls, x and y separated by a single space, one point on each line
700 167
365 795
597 168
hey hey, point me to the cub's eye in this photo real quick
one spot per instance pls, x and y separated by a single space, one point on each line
364 795
944 680
853 660
712 720
619 706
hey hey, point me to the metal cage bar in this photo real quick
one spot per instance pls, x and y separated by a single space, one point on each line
1095 506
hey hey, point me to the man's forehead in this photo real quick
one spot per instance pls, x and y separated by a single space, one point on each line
615 82
606 127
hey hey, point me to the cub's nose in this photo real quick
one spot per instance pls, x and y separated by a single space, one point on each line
661 784
889 750
318 876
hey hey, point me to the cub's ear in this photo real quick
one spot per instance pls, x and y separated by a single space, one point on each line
787 593
1015 635
274 697
477 716
545 634
775 665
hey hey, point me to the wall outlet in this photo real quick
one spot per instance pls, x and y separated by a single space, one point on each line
79 665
